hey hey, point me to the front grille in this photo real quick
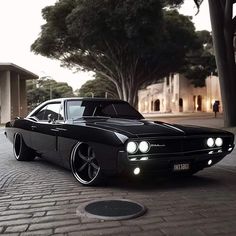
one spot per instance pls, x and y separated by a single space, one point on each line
181 146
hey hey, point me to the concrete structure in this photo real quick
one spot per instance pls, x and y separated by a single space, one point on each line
176 94
13 91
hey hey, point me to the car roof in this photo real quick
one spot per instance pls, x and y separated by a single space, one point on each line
71 99
83 99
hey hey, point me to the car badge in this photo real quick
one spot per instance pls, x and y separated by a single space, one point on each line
158 145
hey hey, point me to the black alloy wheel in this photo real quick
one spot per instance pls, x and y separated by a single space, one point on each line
84 164
20 150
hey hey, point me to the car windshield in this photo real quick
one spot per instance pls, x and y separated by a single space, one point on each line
115 109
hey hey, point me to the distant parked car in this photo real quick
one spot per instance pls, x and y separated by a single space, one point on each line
96 138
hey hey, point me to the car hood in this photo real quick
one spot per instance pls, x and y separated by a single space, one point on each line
144 128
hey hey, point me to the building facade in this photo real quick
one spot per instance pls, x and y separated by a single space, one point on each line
176 94
13 101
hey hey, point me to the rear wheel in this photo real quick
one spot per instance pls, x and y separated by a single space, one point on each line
84 165
20 150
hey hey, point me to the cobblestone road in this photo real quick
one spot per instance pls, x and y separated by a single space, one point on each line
37 198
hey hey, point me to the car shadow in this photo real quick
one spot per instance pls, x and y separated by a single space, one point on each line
162 182
147 183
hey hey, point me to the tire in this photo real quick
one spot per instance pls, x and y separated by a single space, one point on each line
20 150
85 166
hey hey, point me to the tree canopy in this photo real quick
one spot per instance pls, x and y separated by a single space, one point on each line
128 42
44 89
98 87
201 62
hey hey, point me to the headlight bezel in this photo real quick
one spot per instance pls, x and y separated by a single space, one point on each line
210 142
131 143
216 142
137 147
219 142
146 150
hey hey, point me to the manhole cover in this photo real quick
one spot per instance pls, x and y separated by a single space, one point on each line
113 209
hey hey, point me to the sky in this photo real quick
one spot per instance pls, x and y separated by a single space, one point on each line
20 22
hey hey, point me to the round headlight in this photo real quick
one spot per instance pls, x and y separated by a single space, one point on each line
131 147
219 142
143 146
210 142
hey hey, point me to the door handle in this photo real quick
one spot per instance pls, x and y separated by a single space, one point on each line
33 127
55 130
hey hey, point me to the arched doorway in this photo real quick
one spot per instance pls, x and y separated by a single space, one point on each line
157 105
199 103
181 105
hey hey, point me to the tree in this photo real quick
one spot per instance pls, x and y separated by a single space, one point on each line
44 89
127 42
223 30
201 62
99 87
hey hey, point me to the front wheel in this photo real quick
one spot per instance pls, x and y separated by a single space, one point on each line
20 150
84 165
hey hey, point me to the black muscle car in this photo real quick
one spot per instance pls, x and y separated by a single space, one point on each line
100 137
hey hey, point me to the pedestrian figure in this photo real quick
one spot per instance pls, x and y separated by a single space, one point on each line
216 107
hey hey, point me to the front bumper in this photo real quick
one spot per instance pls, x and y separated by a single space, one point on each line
163 164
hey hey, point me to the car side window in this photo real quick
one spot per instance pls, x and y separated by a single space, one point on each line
52 109
40 114
75 109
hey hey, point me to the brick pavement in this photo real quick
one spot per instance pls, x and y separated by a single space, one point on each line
37 198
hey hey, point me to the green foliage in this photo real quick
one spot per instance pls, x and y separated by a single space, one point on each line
201 62
44 89
128 42
99 87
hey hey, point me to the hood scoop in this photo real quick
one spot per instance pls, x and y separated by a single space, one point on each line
120 122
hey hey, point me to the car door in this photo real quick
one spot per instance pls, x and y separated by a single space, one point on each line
45 131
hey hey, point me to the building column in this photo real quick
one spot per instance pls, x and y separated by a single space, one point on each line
15 96
23 100
5 84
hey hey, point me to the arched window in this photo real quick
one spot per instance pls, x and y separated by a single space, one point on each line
157 105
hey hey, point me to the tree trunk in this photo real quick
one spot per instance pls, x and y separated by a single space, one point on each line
222 32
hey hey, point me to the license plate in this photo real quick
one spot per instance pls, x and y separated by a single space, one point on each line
181 167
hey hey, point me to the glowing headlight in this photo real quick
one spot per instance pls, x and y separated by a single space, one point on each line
219 142
210 142
137 171
131 147
143 146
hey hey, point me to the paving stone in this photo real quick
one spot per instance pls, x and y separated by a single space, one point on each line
18 228
38 232
53 224
79 227
123 230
